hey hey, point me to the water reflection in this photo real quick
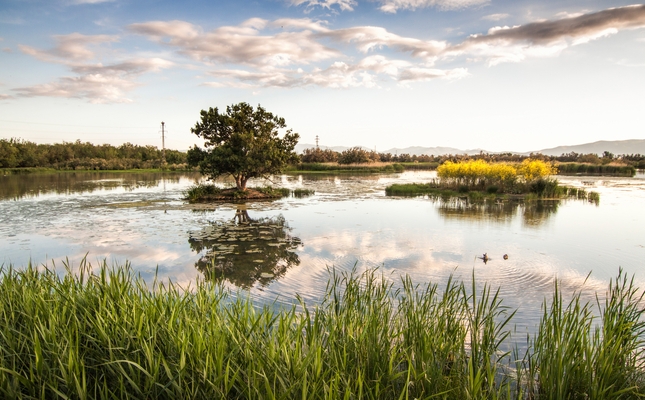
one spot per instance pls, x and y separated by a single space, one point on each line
533 213
244 250
32 185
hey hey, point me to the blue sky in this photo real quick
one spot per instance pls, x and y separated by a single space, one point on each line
499 75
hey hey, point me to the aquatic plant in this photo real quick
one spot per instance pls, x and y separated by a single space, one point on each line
200 191
105 333
300 193
596 169
575 356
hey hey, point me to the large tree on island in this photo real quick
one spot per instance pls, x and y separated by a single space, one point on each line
243 143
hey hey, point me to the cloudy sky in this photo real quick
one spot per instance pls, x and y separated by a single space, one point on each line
494 74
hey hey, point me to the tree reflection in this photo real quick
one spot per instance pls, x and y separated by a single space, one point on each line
533 213
244 250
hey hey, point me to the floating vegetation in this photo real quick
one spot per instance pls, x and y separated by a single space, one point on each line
104 333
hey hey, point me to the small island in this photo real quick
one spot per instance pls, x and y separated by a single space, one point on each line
480 180
242 143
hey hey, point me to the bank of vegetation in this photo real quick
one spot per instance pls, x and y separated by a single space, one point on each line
105 333
356 158
596 169
23 156
478 179
20 156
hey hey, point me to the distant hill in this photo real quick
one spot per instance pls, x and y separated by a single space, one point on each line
431 151
634 146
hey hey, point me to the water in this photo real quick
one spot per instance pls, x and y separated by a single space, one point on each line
276 249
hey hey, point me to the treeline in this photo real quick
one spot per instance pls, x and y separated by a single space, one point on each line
17 153
357 155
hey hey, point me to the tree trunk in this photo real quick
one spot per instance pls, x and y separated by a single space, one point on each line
240 182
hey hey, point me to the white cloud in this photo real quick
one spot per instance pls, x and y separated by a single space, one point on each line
241 44
426 74
97 88
369 38
95 81
344 5
392 6
300 23
496 17
69 48
549 38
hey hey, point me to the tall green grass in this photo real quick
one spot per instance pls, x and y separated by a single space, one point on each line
105 333
595 169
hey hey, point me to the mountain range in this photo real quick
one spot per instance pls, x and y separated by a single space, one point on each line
633 146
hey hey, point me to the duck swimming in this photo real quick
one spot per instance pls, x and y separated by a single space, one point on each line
485 258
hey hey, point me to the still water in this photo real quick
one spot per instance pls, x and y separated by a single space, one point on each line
274 250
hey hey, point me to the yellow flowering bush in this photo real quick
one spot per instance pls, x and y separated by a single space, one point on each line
534 169
479 173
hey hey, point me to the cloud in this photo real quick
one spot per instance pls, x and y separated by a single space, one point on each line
96 82
426 74
72 47
241 44
392 6
5 96
369 38
344 5
366 73
549 38
496 17
97 88
78 2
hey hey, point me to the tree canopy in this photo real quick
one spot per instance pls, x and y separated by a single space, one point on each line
243 142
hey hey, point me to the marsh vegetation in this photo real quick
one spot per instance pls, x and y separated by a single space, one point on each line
105 333
479 180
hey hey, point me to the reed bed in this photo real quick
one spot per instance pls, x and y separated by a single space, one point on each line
596 169
105 333
334 168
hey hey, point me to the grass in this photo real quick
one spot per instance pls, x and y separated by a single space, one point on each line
539 188
335 168
105 333
595 169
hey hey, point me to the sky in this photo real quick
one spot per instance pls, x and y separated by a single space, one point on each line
498 75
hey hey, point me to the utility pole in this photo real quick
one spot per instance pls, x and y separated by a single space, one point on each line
163 143
316 141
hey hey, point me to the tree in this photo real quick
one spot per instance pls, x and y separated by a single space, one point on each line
355 155
243 143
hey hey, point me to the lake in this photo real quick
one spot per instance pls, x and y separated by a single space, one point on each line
273 250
